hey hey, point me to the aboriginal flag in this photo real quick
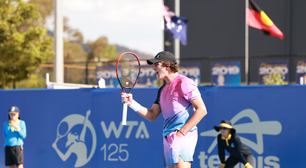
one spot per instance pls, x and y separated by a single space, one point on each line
258 19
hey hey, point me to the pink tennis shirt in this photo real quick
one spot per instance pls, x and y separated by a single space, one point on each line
174 100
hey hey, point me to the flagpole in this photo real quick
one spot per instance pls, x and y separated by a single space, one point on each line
246 44
163 30
163 26
177 41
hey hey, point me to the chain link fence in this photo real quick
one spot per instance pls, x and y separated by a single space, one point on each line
85 72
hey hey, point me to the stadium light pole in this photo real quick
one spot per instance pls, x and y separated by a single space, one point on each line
177 41
58 68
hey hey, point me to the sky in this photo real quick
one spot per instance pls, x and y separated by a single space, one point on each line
136 24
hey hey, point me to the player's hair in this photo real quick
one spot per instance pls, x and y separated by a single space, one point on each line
173 66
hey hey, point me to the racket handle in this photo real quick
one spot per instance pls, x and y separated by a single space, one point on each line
124 114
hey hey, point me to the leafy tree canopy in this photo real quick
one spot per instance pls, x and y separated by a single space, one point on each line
24 44
102 50
45 7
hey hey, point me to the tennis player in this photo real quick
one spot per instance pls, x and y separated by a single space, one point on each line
14 132
182 107
228 140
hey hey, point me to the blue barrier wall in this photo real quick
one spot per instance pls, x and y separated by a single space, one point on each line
81 128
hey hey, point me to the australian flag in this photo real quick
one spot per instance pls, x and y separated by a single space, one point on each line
176 25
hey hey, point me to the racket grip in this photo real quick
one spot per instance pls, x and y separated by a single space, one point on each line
124 114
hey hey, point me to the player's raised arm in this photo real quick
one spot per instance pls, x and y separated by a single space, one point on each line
149 114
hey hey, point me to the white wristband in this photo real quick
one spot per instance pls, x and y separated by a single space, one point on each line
135 106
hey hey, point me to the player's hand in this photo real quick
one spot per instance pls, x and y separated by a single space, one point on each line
178 134
127 98
220 166
250 166
14 124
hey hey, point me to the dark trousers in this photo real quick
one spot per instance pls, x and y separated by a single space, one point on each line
232 161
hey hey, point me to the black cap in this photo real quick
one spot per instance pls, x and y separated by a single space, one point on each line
225 124
162 56
14 109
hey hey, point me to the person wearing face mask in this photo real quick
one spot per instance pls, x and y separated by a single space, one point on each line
14 132
228 140
180 103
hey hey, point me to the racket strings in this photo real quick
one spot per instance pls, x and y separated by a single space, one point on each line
129 70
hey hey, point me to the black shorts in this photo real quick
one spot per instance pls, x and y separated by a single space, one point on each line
13 155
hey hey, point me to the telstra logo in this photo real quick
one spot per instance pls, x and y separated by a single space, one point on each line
257 127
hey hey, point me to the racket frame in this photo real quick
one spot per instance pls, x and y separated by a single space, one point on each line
124 113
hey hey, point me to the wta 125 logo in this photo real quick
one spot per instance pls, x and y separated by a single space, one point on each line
257 127
77 135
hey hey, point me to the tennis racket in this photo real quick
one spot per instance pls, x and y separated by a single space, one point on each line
127 70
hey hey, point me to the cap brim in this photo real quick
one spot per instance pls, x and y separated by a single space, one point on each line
217 128
152 61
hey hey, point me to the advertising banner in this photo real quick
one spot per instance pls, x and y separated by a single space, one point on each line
192 71
147 77
108 73
225 73
300 72
82 127
268 67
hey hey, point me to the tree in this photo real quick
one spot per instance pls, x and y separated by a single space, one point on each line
45 7
24 44
101 50
72 34
73 49
73 52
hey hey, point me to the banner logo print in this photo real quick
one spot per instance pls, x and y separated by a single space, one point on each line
256 127
76 143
